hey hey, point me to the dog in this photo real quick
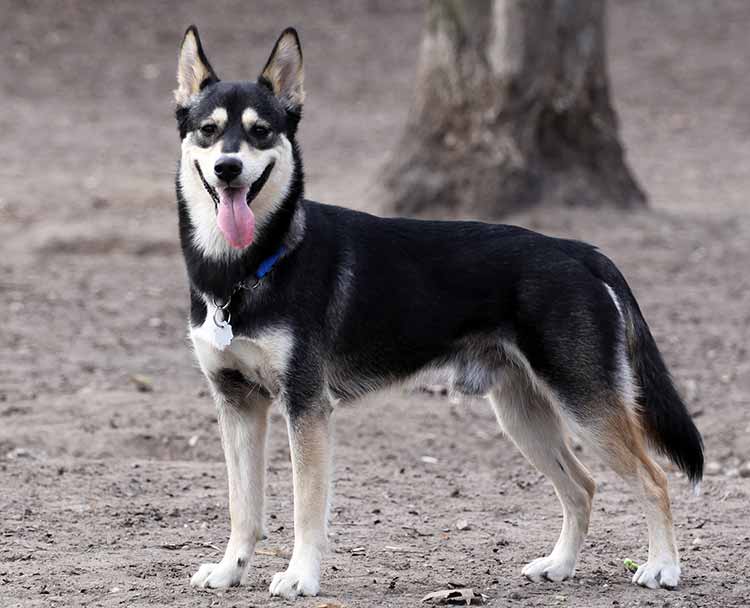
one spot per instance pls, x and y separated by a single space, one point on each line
306 305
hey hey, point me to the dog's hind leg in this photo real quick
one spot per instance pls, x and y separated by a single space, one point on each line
243 419
621 441
310 440
533 423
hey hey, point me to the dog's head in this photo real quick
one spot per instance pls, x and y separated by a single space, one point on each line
238 160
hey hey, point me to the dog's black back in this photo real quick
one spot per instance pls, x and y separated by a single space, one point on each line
372 301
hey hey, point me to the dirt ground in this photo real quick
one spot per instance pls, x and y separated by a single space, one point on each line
112 496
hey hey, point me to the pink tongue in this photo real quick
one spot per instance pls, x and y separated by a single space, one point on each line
235 218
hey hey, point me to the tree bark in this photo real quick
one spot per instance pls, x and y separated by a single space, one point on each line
512 108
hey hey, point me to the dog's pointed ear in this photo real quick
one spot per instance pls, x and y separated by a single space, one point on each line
194 72
283 73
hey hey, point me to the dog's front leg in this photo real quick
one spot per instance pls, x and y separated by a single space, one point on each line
310 440
243 420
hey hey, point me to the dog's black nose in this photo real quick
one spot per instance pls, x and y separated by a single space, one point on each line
227 168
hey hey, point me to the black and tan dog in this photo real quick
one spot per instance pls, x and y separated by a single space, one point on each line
304 305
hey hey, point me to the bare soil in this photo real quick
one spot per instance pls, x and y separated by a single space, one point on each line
111 495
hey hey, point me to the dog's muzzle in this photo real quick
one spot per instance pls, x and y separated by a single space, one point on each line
253 192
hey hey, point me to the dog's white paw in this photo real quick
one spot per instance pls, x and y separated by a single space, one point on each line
292 582
658 573
218 575
551 568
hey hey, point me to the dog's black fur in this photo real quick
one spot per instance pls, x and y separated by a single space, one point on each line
421 289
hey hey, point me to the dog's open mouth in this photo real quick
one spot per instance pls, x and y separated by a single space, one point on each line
233 214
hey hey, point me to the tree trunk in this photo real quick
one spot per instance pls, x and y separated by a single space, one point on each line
512 108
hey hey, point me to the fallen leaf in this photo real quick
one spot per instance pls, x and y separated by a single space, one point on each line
464 597
143 384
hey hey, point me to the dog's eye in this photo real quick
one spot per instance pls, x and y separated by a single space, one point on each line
260 132
208 130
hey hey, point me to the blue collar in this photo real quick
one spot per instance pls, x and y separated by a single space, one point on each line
263 269
267 265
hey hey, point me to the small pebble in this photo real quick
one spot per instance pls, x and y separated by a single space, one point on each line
19 453
713 468
732 462
745 470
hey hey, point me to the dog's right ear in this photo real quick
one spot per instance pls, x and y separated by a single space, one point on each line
194 72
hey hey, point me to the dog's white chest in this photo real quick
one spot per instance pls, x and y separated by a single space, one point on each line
262 359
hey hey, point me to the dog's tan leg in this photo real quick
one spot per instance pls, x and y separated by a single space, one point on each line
623 446
535 427
243 420
310 439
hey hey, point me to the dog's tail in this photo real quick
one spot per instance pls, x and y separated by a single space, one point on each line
663 414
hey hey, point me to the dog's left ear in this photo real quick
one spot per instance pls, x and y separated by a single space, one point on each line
283 73
194 72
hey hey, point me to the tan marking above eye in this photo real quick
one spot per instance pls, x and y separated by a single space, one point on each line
250 118
218 117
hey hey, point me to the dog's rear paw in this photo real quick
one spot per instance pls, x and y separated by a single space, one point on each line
551 568
217 576
658 573
292 583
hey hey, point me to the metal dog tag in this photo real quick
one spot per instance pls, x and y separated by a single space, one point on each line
222 335
216 330
222 330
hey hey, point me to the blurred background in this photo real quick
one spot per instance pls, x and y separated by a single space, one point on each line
111 470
